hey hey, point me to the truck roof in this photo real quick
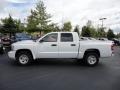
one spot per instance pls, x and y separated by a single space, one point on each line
63 32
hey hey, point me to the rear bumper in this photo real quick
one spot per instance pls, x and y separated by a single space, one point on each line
11 55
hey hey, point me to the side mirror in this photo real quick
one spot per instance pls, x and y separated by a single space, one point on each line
41 41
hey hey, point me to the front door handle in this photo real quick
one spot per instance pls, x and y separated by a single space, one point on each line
73 44
54 45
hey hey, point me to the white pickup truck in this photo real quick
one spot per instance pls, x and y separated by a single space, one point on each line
60 45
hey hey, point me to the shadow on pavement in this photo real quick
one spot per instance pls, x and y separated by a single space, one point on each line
54 63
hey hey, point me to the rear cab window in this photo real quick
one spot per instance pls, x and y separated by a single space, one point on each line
66 37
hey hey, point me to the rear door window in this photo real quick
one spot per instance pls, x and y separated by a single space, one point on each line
66 37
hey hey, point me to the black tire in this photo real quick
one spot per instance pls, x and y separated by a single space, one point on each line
91 59
79 60
24 58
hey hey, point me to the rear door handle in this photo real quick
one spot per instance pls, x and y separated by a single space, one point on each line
73 44
54 45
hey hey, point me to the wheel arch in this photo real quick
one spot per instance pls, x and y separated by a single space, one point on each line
92 51
28 50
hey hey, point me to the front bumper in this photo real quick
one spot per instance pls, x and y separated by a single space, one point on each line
11 54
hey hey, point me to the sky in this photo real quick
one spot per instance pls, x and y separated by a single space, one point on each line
76 11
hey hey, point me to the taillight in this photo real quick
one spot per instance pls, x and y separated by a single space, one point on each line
112 49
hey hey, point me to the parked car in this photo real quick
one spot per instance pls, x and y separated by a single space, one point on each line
116 41
103 39
60 45
106 40
84 38
1 47
6 41
20 37
87 38
90 38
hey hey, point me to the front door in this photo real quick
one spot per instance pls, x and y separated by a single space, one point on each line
48 46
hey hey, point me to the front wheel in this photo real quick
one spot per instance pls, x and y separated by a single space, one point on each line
24 58
91 59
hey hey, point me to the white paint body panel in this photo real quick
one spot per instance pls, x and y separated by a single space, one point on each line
63 49
45 50
68 51
103 47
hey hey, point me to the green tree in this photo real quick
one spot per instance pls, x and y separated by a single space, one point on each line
89 23
52 28
76 29
93 32
101 32
110 34
86 31
1 27
89 30
118 35
67 26
39 18
10 25
20 26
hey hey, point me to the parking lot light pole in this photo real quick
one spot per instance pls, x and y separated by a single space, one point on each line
102 19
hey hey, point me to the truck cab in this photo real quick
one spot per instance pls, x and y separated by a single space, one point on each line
58 45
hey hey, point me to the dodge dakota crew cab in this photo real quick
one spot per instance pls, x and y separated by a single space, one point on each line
60 45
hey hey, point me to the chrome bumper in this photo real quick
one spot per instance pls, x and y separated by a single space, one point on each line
11 54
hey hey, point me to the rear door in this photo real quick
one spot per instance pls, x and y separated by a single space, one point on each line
68 46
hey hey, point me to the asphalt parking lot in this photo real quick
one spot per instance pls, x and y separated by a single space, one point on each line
60 75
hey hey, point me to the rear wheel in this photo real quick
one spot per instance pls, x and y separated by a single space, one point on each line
24 58
91 59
